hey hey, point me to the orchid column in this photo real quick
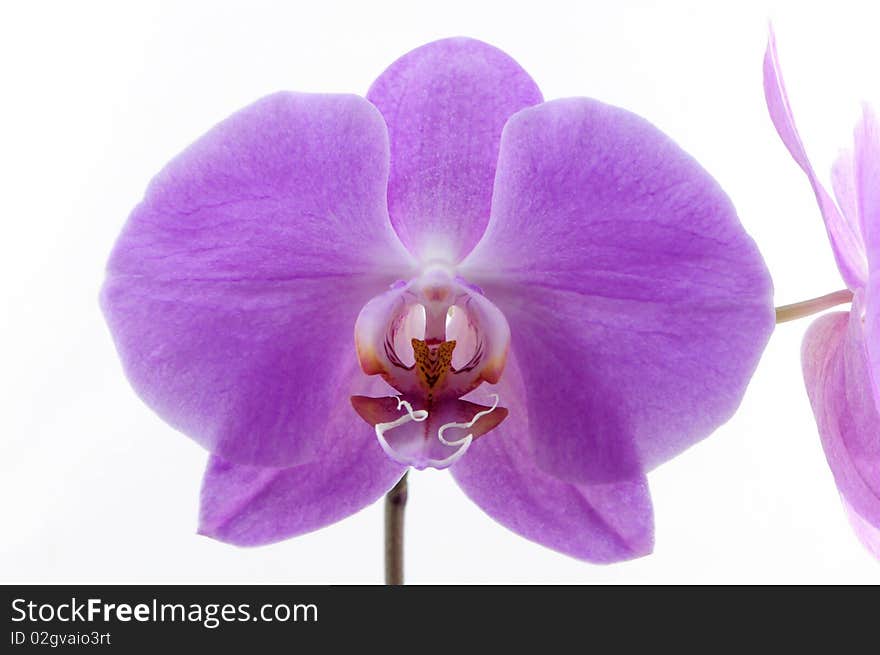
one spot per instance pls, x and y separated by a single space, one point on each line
550 298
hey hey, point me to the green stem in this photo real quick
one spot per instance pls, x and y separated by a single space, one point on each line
395 503
808 307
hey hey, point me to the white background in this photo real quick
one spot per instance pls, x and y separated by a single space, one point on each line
96 97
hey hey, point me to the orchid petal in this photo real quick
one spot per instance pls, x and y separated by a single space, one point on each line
638 306
866 176
251 505
837 380
846 240
843 183
445 104
866 171
869 306
234 287
868 534
602 523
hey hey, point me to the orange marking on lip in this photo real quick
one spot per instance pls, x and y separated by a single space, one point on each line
433 363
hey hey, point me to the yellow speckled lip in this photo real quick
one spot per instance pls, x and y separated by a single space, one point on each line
432 364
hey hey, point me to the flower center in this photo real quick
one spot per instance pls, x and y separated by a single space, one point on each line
433 339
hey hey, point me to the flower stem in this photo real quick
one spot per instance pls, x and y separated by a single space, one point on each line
395 503
813 306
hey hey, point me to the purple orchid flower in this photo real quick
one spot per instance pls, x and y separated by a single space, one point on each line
550 298
841 350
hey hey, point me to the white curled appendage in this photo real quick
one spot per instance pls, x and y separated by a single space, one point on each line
417 415
465 441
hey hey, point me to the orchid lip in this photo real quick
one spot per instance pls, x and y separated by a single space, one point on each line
466 440
434 339
426 447
418 416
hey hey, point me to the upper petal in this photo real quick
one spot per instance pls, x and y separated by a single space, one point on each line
445 104
602 522
233 289
846 240
638 306
841 394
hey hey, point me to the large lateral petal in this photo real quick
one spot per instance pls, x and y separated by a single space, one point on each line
602 522
233 290
841 394
638 306
445 104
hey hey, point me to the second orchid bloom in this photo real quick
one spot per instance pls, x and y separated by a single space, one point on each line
841 350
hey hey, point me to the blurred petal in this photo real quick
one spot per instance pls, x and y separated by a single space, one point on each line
445 104
866 171
233 290
252 505
841 394
846 241
638 306
596 522
843 182
869 306
868 534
